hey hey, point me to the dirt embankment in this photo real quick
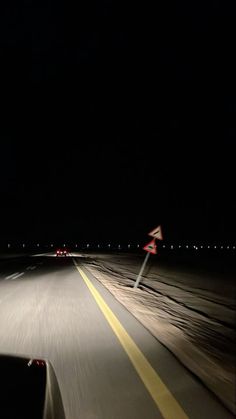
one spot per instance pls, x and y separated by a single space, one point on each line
183 311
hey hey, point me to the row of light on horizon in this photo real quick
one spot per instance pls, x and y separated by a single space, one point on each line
172 246
197 247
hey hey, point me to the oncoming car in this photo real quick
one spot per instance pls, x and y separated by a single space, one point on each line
62 252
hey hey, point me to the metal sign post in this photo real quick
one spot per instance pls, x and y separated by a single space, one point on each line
141 270
149 248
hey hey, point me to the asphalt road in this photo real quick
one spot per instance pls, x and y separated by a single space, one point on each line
107 364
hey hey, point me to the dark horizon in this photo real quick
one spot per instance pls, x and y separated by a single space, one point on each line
118 195
110 128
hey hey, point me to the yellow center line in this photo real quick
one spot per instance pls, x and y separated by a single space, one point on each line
165 401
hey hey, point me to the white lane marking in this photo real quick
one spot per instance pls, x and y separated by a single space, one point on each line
11 276
40 254
79 255
30 268
17 276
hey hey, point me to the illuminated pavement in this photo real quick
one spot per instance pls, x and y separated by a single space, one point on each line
47 309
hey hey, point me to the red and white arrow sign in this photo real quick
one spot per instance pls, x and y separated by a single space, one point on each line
156 233
151 247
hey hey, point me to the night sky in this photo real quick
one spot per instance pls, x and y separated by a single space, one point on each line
117 118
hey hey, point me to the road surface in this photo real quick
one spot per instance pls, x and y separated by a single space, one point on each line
108 365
